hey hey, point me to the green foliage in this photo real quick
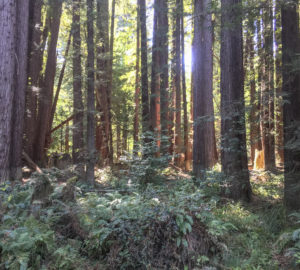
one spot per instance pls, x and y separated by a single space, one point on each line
147 167
174 225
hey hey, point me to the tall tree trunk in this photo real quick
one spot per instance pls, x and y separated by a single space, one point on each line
137 87
77 86
14 25
233 130
291 112
144 70
176 84
46 95
90 135
255 139
267 92
204 149
7 70
185 116
278 72
155 76
110 81
103 79
34 72
21 52
164 76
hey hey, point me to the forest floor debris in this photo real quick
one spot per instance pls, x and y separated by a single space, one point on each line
177 224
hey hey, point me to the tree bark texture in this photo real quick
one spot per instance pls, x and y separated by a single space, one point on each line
233 131
78 108
90 139
103 79
204 149
291 112
14 25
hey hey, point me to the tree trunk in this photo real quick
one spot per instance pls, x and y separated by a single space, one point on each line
291 112
46 95
176 84
164 76
155 77
204 130
14 25
77 86
103 79
34 71
267 89
90 135
185 116
21 51
137 88
255 139
144 70
233 130
110 81
278 72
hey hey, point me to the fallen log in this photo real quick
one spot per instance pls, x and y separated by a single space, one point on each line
31 163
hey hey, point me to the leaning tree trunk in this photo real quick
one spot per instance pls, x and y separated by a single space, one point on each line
77 86
291 112
233 130
90 134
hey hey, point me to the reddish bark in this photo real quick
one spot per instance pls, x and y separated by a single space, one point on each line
204 149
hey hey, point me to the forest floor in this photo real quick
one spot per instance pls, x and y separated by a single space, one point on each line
55 221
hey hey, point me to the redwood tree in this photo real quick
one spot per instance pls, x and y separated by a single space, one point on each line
102 49
233 130
176 82
90 134
144 69
204 150
14 25
77 86
291 112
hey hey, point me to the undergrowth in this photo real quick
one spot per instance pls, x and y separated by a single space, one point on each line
176 223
